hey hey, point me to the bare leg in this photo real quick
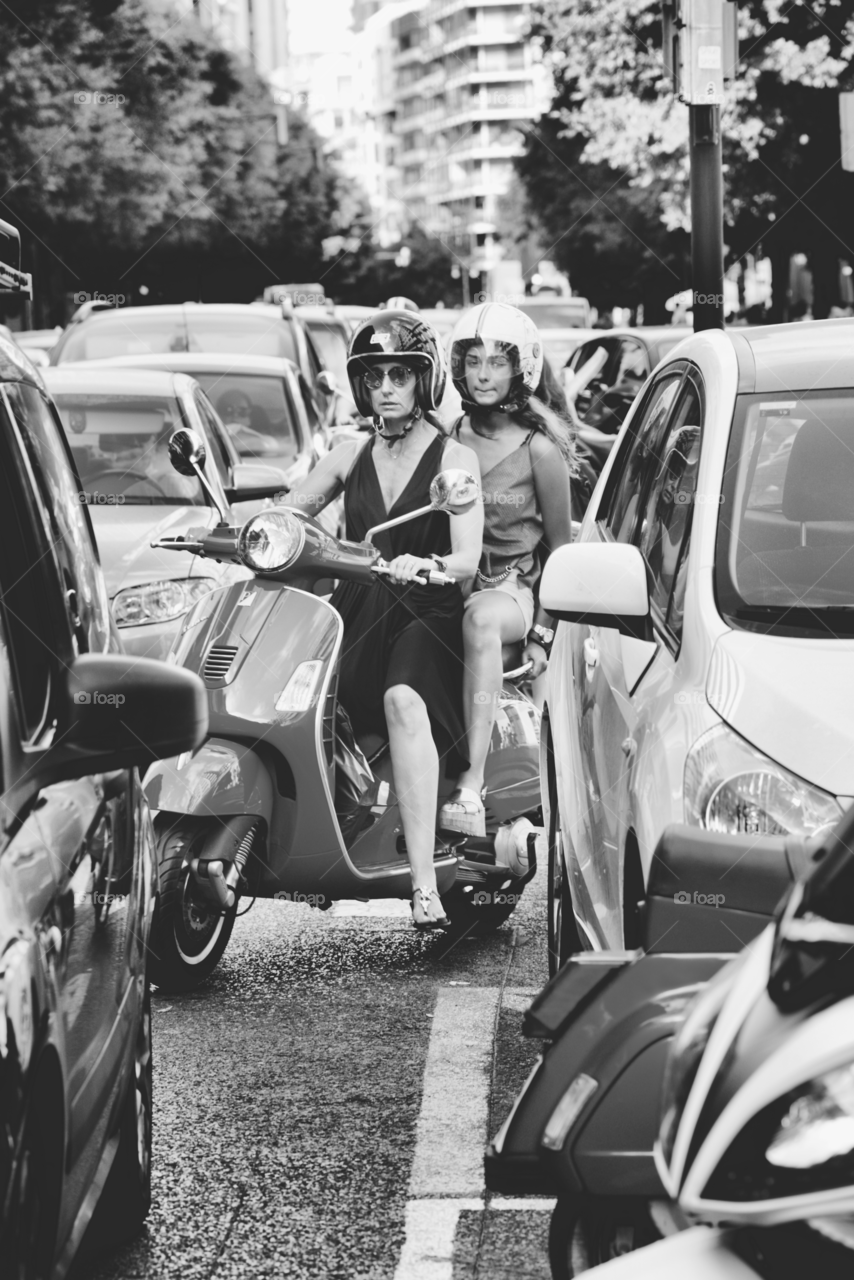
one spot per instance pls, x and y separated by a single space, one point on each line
491 620
415 763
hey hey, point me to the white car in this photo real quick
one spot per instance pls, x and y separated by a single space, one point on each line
703 669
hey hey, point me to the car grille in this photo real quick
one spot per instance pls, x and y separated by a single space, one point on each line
218 662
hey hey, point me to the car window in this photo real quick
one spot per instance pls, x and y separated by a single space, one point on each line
35 620
256 411
120 445
637 461
314 362
331 341
632 363
314 420
670 503
117 333
70 530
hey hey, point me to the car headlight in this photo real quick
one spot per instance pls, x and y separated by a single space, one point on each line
801 1144
271 540
732 787
159 601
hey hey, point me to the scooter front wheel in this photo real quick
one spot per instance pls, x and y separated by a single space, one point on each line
189 934
583 1235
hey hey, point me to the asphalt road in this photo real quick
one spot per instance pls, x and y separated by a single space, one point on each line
321 1104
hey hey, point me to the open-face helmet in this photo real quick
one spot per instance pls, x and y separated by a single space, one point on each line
404 338
499 329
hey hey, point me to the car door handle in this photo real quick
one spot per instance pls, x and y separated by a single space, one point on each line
591 655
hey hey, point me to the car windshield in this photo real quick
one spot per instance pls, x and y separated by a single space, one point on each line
256 411
120 444
331 342
115 333
785 549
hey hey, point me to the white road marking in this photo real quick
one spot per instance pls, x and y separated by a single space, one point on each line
447 1169
451 1133
373 907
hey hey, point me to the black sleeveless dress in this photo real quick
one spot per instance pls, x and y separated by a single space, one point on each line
402 633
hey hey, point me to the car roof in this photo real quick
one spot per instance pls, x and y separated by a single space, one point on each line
188 361
82 377
187 309
814 355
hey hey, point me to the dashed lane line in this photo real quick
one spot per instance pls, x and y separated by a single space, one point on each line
447 1169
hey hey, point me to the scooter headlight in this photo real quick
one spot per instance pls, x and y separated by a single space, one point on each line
801 1144
271 541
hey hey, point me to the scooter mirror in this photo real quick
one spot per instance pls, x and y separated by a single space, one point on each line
187 451
454 491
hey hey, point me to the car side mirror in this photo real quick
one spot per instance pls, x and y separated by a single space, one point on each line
326 383
123 711
602 584
187 452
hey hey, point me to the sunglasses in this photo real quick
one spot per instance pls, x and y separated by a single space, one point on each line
397 375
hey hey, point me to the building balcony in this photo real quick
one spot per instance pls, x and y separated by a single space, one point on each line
471 75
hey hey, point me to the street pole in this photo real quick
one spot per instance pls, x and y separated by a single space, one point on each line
707 217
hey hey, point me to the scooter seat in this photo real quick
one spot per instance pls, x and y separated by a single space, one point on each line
511 655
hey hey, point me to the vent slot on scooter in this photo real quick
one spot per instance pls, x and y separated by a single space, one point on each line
328 729
218 662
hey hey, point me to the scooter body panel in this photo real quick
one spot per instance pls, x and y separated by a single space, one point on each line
221 779
616 1031
247 648
512 773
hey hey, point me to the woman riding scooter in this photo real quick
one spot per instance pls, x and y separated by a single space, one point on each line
525 453
401 670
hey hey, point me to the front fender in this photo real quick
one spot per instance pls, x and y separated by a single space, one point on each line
221 779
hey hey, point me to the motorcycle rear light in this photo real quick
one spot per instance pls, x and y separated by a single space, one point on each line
300 692
567 1112
271 541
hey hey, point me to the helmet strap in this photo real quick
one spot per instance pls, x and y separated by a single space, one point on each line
412 420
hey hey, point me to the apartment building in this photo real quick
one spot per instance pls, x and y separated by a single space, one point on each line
467 82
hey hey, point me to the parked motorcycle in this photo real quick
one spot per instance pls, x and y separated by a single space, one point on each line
757 1129
585 1123
282 800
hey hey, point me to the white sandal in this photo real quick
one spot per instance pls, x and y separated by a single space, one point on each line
421 917
464 811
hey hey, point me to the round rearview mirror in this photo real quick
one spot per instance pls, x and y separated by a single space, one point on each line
187 451
454 491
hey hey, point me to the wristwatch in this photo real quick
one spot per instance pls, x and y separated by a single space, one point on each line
542 636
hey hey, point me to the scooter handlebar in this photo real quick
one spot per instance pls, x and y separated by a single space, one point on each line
431 577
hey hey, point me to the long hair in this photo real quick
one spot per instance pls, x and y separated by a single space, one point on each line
547 412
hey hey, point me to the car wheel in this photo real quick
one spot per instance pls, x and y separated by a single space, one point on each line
583 1236
563 936
126 1198
189 934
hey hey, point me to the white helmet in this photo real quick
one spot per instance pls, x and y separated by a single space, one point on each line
503 329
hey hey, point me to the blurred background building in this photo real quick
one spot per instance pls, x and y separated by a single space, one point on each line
257 28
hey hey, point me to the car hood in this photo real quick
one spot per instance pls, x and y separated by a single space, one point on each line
124 535
790 698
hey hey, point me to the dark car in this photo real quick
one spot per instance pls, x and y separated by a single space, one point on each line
77 869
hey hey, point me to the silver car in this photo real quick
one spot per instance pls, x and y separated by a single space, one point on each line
118 423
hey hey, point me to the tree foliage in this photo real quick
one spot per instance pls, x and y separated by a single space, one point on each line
615 128
134 148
